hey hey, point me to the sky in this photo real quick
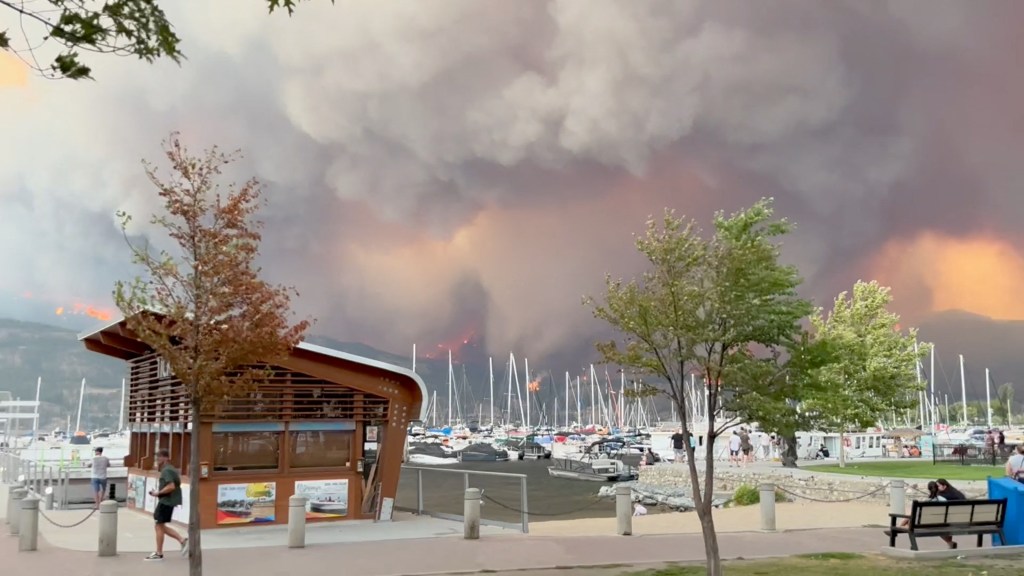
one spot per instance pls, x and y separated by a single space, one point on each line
461 171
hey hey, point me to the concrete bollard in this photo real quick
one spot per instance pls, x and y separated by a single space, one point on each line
767 494
897 497
108 528
48 498
297 522
28 538
471 514
11 510
15 518
623 510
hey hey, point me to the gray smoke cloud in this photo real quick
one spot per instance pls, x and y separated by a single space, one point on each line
440 168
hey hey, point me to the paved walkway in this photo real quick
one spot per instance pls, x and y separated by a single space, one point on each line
413 547
447 555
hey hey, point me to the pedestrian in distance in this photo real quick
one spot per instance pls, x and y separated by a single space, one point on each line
99 465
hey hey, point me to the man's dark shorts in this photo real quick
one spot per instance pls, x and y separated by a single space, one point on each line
163 513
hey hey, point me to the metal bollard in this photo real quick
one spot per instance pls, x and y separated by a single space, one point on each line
623 510
767 494
471 514
15 517
108 528
897 497
297 522
28 539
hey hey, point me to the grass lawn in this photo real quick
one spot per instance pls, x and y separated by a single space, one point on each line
911 469
839 564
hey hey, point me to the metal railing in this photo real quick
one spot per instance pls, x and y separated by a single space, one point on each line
966 454
37 476
467 475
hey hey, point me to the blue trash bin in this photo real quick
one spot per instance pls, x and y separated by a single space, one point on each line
1013 491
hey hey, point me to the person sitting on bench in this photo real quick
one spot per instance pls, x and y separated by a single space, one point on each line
948 492
933 496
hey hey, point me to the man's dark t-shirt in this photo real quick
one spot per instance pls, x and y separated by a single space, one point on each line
167 475
677 441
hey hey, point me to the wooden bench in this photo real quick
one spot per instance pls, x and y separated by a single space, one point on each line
950 518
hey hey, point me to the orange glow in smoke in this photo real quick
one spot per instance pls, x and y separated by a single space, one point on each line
79 309
977 274
456 345
533 386
13 72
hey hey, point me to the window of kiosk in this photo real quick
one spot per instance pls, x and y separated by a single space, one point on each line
240 448
320 445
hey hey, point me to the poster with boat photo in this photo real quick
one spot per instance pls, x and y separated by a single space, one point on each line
137 491
151 484
251 503
324 498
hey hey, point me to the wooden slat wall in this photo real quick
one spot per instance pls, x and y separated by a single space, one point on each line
285 396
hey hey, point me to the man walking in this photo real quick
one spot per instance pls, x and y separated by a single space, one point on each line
99 464
168 496
678 449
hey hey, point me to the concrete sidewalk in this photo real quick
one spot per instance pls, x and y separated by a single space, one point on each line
447 555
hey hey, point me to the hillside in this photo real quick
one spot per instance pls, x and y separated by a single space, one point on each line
30 350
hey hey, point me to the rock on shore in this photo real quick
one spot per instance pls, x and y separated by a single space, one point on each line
674 481
674 497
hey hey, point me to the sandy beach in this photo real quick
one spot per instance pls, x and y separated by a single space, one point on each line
788 516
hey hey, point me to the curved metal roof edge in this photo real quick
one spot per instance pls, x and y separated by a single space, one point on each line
373 363
319 350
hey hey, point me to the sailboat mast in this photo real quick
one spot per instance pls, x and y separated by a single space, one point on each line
988 399
593 407
508 410
566 400
963 387
490 368
920 395
35 419
81 397
526 377
931 382
414 358
451 378
120 415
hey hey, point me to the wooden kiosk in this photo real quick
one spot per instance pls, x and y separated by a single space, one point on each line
326 424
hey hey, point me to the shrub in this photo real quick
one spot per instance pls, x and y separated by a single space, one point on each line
746 495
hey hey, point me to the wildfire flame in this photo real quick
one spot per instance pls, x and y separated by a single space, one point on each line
533 386
80 309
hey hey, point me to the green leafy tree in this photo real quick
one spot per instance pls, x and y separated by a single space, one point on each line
716 305
136 28
774 387
873 370
1004 396
204 308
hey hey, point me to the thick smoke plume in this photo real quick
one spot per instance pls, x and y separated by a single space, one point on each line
446 168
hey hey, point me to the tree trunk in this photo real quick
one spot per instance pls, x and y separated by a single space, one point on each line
195 551
707 527
703 502
842 449
789 452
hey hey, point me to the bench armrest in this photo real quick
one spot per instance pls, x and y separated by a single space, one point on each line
899 515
